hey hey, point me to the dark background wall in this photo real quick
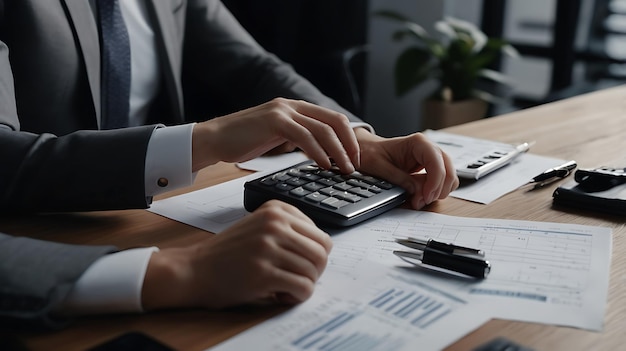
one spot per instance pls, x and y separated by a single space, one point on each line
314 37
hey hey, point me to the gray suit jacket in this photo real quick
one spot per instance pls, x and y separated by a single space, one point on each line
54 158
35 277
50 83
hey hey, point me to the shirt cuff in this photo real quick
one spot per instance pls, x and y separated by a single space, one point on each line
168 159
112 284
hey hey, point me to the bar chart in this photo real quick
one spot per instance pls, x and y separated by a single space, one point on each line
391 317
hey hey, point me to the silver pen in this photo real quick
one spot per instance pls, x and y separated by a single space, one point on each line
553 174
448 257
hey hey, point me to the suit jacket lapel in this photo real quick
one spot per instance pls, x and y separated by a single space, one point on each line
168 46
85 27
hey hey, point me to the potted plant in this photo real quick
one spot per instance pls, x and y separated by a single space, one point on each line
458 60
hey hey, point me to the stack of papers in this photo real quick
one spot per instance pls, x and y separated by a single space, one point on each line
368 298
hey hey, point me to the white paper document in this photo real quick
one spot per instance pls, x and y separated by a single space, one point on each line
213 209
277 162
463 150
368 299
218 207
553 273
380 311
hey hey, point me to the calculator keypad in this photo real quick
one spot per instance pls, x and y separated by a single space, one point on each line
327 193
332 188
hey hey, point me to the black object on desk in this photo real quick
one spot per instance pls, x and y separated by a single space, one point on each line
502 344
600 189
449 257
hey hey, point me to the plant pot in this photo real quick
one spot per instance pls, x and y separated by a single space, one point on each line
440 114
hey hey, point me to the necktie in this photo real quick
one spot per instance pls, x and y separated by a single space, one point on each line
115 72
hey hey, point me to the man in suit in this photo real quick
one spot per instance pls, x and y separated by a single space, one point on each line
190 61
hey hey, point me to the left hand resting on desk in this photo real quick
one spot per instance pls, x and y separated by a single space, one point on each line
276 252
399 159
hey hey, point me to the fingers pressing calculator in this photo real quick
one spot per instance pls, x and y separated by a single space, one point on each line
327 196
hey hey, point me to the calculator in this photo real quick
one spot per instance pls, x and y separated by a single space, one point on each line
327 196
474 158
490 161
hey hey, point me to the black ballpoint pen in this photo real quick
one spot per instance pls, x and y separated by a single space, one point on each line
422 244
450 257
553 174
561 171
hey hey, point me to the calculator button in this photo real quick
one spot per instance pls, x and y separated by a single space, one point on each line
296 181
353 198
337 178
299 192
326 181
310 176
313 186
335 203
326 174
316 197
493 156
269 181
384 185
374 189
282 176
369 179
362 192
309 168
342 186
359 183
284 187
294 172
329 191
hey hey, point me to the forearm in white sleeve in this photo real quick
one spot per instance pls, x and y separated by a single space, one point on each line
168 159
112 284
169 162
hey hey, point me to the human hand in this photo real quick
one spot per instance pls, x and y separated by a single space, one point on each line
276 252
281 123
400 160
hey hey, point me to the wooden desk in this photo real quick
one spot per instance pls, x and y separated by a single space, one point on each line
590 129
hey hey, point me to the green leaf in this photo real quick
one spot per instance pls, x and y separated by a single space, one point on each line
412 68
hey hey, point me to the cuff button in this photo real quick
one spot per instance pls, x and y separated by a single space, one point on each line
162 182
